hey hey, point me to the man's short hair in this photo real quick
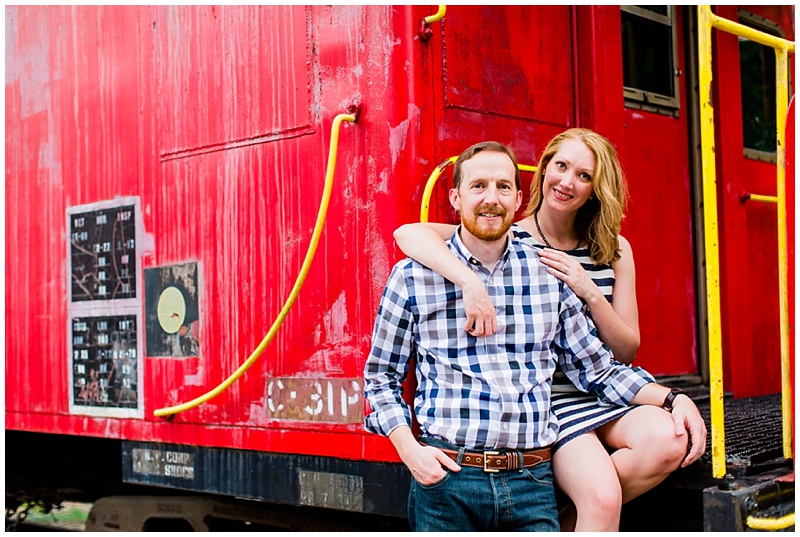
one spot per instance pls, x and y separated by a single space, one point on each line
477 148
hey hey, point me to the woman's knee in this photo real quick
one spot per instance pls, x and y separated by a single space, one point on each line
584 471
671 449
583 464
656 441
601 498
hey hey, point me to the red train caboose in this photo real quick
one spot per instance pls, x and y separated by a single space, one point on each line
164 171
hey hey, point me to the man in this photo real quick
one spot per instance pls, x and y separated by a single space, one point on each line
483 405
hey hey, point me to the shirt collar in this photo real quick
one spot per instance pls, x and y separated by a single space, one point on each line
461 251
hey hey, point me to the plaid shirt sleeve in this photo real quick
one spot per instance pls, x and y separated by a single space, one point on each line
587 362
389 361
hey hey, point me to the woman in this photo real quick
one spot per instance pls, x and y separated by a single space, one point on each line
576 207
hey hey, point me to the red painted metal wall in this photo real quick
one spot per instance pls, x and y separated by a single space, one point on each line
216 120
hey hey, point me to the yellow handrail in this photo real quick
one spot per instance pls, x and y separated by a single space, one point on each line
425 31
312 247
707 20
746 196
711 244
436 17
771 524
781 112
426 195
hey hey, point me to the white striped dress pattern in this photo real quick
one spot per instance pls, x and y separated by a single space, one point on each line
576 412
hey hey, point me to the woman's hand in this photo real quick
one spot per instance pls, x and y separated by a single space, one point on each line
688 418
481 315
567 269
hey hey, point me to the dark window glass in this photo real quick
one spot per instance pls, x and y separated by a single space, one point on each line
647 55
757 64
661 10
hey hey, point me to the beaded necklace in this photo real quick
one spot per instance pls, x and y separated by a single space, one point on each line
547 243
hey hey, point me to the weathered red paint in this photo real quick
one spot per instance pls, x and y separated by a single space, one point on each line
218 118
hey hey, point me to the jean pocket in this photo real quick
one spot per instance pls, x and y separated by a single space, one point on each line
436 484
541 473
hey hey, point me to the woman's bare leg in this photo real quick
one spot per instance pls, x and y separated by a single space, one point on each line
647 448
584 471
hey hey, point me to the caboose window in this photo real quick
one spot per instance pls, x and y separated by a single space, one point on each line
649 58
757 67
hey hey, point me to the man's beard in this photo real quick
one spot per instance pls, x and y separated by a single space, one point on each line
486 233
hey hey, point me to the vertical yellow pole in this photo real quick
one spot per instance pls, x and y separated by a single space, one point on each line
781 102
711 243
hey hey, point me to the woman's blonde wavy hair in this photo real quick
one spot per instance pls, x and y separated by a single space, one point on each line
598 220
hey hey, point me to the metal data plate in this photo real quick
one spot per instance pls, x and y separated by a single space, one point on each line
334 491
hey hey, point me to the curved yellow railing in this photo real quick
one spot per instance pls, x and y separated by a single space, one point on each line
425 30
169 412
771 524
426 196
436 17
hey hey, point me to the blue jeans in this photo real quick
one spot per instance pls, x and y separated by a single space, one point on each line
474 500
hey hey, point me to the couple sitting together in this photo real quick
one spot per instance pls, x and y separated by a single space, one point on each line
521 336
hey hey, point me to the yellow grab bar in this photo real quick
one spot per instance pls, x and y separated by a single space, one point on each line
781 113
706 21
704 16
168 412
436 17
426 196
746 196
425 30
770 524
751 34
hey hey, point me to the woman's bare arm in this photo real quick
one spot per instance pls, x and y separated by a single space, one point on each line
424 242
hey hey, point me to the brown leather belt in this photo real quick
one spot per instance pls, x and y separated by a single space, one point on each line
494 461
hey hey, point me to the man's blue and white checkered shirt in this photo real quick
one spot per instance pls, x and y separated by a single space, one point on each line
493 392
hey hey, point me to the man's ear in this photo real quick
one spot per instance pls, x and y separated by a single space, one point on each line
519 200
455 199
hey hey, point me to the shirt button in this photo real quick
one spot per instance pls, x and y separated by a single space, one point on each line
473 260
494 358
505 426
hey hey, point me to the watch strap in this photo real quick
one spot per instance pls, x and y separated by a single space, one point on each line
670 398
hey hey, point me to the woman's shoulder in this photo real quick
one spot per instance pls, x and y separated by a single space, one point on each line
625 253
625 249
522 233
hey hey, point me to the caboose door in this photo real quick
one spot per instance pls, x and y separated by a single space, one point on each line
515 87
658 164
549 68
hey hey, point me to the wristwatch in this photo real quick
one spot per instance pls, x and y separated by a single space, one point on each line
670 398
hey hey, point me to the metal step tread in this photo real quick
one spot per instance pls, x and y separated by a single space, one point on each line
753 429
